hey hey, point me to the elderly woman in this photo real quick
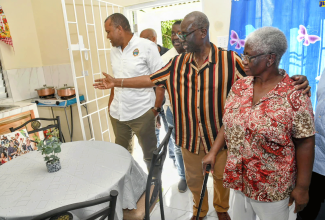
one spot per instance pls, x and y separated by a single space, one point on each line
268 127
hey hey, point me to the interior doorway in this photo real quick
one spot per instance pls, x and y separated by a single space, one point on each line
152 14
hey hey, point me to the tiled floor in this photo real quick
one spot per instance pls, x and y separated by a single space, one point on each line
178 206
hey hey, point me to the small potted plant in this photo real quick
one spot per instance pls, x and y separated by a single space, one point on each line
50 147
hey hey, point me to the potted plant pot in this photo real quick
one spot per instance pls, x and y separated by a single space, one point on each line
50 147
53 167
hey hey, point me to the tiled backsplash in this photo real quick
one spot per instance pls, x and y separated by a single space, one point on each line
23 82
58 75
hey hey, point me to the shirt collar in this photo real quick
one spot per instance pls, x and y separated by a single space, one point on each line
130 42
213 55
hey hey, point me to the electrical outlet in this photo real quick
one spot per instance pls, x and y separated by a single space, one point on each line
85 73
222 41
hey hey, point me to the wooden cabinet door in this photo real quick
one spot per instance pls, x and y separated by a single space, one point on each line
15 121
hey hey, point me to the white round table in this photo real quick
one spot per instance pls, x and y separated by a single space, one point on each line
90 169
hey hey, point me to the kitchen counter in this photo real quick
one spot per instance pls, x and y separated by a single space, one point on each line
19 107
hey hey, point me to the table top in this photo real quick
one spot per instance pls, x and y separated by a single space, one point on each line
90 169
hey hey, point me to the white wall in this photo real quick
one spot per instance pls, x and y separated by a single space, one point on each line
26 52
218 12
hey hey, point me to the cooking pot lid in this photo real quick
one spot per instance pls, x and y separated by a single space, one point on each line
66 87
46 87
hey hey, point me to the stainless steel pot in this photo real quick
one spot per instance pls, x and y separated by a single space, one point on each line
66 91
45 90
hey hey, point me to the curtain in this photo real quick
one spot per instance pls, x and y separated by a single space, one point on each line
4 29
303 23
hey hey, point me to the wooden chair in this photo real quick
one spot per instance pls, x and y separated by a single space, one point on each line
35 124
149 198
63 212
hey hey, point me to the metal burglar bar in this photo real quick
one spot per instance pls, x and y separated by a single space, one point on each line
102 4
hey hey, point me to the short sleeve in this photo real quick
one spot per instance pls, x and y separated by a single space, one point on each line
160 77
302 115
154 60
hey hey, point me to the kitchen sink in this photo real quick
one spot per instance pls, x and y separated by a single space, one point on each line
5 107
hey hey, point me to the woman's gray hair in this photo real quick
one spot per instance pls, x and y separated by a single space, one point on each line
268 40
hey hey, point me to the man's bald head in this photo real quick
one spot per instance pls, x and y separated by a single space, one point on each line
149 34
197 20
195 31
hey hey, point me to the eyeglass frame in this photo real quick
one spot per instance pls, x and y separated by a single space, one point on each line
249 58
184 36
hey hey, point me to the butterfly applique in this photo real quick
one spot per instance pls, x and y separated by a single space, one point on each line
308 38
234 39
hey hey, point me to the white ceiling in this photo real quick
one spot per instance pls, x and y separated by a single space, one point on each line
130 2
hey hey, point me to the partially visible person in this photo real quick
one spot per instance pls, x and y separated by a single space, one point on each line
268 127
4 140
317 185
177 46
29 145
3 158
12 151
132 111
151 35
197 107
20 148
16 140
176 150
2 148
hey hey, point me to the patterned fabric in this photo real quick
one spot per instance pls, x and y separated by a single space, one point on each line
90 170
4 29
261 161
198 95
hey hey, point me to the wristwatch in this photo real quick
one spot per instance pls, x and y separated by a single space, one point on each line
157 109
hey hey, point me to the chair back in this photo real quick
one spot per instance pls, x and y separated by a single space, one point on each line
107 212
55 125
154 176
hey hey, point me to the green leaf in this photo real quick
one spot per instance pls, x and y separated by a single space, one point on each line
46 158
57 150
48 150
166 29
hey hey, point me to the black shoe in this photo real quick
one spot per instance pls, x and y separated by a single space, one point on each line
182 186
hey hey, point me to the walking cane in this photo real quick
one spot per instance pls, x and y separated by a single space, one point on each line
204 187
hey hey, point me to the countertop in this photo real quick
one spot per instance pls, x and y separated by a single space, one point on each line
20 107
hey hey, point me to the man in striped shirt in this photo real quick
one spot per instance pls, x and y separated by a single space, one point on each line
197 83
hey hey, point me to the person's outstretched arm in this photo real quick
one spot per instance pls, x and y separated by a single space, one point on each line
136 82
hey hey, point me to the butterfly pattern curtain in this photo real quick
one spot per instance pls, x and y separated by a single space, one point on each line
303 23
4 29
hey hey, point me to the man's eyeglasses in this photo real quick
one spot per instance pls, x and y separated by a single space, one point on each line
248 59
183 36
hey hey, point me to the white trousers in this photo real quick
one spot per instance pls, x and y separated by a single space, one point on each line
245 208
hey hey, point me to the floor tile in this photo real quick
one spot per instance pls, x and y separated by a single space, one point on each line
174 199
179 205
175 214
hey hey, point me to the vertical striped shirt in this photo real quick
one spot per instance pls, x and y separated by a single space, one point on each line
198 95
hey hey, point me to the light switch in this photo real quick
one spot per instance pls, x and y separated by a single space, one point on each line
85 73
222 41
